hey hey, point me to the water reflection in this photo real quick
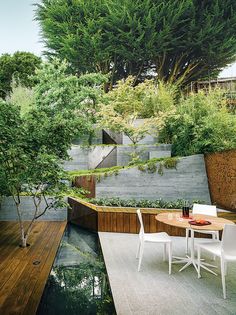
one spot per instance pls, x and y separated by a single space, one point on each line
78 282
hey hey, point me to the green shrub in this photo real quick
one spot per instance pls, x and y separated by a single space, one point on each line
144 203
201 124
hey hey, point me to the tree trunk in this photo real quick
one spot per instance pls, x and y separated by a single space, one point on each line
24 241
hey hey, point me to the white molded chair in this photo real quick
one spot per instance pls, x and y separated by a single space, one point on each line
226 250
204 210
162 238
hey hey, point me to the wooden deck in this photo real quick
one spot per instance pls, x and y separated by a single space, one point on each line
21 281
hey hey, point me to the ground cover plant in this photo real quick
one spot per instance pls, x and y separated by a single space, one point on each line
143 203
151 166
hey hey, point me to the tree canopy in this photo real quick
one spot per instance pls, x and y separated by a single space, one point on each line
177 40
34 142
20 66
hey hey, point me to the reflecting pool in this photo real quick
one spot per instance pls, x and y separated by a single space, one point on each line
78 283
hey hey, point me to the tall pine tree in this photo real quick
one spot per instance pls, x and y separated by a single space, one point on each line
179 40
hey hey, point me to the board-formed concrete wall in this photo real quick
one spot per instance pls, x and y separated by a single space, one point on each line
79 159
187 181
124 152
84 140
97 155
109 155
8 211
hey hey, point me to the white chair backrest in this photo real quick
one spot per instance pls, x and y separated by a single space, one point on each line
228 239
204 209
140 221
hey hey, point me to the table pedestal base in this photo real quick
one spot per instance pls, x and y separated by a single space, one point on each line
188 261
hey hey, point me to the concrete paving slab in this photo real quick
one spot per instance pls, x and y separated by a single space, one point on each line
152 291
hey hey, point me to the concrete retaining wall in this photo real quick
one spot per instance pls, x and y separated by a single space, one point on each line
144 151
188 181
79 159
8 211
97 139
98 154
149 139
106 156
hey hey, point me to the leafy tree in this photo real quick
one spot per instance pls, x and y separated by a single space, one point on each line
25 171
147 99
21 96
180 41
33 144
122 106
60 94
201 124
111 119
20 66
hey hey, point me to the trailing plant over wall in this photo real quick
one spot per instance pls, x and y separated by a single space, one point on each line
151 166
144 203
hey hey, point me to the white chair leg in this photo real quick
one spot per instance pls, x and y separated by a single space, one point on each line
223 276
186 241
140 255
138 250
164 252
170 257
225 268
214 238
199 261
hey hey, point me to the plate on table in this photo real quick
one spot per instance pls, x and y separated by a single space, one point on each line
199 222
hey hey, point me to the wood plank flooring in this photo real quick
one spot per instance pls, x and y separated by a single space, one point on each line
21 282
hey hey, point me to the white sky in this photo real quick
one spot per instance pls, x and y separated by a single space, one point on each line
18 31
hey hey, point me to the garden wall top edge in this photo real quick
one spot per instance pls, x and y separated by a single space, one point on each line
119 209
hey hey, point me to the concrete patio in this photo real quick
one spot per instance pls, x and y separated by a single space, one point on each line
152 291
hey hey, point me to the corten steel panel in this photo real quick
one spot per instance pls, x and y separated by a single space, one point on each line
82 215
88 183
221 172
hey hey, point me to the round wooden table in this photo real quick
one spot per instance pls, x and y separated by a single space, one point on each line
175 219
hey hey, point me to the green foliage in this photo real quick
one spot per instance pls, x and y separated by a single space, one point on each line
97 171
67 96
201 124
144 203
120 108
180 41
147 99
149 166
108 117
135 158
23 166
34 144
21 96
20 67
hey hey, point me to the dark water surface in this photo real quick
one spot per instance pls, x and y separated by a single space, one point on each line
78 283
